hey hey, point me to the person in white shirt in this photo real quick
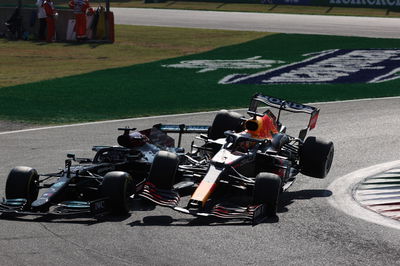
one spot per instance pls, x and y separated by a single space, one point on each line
41 13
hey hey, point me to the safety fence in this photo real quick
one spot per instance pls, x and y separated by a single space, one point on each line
19 20
388 4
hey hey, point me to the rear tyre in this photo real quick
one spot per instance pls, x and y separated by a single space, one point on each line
117 186
266 191
163 170
223 121
22 183
316 157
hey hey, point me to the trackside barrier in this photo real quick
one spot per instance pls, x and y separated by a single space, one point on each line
64 20
391 5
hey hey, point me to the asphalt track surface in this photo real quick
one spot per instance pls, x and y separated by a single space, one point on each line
309 230
247 21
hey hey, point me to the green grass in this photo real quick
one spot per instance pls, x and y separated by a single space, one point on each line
26 62
150 89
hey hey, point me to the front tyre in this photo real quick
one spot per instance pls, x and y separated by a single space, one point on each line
266 191
117 186
316 156
22 183
163 170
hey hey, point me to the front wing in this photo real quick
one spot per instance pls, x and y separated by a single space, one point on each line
170 198
20 207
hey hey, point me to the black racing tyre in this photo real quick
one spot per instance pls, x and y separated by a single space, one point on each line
223 121
163 170
266 191
117 186
316 156
22 183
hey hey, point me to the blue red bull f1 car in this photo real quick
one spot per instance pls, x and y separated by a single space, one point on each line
243 165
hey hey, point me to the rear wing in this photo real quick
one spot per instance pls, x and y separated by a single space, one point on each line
286 106
181 129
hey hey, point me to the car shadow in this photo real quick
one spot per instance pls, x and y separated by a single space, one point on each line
135 205
82 220
289 197
166 220
286 199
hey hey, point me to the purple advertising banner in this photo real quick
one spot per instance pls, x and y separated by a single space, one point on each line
330 66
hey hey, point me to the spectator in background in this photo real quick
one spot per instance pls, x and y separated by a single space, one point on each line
80 7
41 13
48 6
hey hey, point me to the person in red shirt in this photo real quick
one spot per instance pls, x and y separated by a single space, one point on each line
48 6
79 7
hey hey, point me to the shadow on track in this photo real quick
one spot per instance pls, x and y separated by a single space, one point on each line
66 220
289 197
286 199
165 220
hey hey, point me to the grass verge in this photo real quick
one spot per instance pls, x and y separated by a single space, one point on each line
151 88
26 62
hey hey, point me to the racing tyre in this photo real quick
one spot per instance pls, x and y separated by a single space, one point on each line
163 170
223 121
316 157
266 191
117 186
22 183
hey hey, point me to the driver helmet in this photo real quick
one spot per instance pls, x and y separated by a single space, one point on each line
261 127
137 139
132 140
253 126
